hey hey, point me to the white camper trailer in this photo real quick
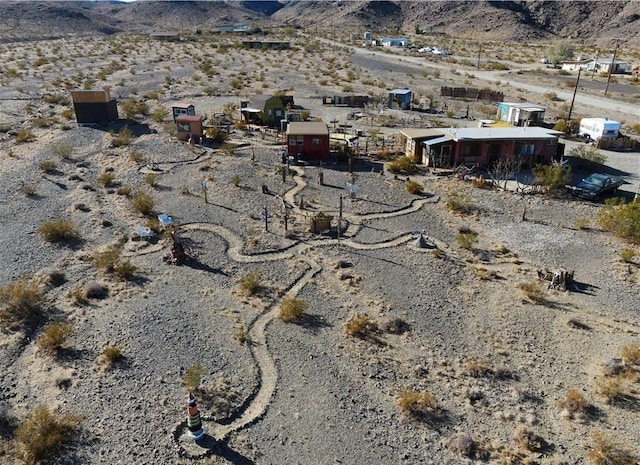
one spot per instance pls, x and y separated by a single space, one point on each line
599 128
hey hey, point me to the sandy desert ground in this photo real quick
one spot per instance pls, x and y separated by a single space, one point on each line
453 363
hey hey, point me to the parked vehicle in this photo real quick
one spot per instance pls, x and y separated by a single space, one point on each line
594 129
596 185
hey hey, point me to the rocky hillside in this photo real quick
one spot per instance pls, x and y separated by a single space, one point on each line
508 20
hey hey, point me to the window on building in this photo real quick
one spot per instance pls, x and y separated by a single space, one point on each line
525 149
296 140
184 127
315 140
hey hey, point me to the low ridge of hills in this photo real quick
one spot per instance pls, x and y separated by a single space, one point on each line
484 19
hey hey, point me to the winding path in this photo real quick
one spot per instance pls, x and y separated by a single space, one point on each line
258 402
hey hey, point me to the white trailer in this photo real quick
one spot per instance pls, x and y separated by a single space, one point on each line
599 128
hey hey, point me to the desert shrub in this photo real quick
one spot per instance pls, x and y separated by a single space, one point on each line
588 153
240 334
56 278
583 223
58 230
631 354
402 165
78 297
54 337
111 355
125 270
627 255
417 404
561 125
143 203
611 388
552 177
106 179
621 219
461 443
529 440
459 202
136 157
476 367
132 108
43 434
159 115
29 190
64 150
68 113
107 259
123 138
151 179
93 290
24 135
21 304
414 187
574 403
360 325
467 239
533 291
606 452
250 283
235 180
124 190
47 166
291 309
192 377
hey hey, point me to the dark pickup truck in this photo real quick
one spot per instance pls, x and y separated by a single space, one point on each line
596 185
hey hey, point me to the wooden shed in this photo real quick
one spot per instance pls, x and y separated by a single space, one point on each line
188 126
94 106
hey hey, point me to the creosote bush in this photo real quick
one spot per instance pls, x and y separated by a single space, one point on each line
606 452
622 219
106 179
250 283
47 166
291 309
143 203
151 179
631 354
467 239
54 337
574 403
64 150
21 304
402 165
192 377
360 325
58 230
588 153
552 177
123 138
111 355
417 404
24 135
414 187
44 433
459 202
533 291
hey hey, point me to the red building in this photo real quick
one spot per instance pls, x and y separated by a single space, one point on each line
309 141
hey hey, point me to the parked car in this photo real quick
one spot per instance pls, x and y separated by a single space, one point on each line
596 185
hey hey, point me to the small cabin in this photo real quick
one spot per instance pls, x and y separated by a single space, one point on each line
182 109
400 98
94 107
189 126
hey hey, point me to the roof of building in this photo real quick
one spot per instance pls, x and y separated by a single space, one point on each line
417 133
259 101
524 106
522 133
400 91
181 105
188 118
606 60
308 128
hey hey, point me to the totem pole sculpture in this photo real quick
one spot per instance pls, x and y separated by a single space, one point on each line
194 422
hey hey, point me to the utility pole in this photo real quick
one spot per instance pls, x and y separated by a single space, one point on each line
479 51
613 61
595 63
340 219
575 89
